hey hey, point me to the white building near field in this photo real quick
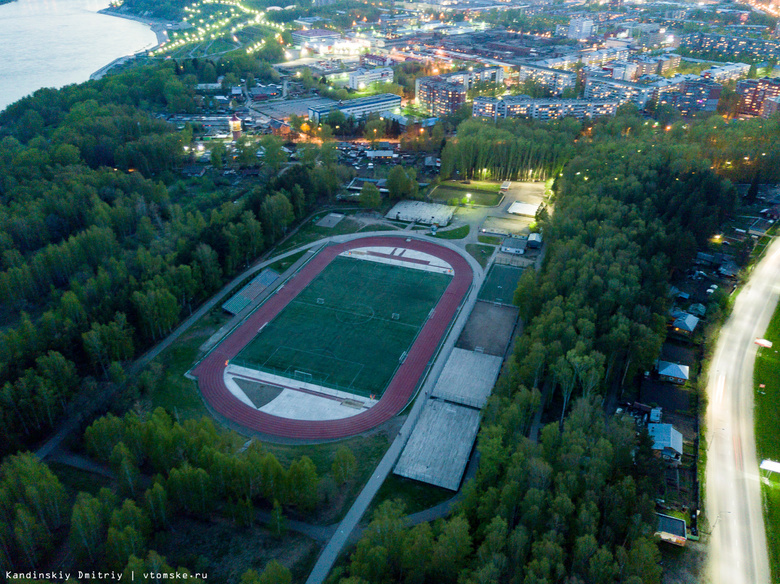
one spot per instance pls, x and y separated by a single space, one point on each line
362 78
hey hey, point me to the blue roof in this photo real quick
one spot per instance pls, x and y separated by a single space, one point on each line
250 292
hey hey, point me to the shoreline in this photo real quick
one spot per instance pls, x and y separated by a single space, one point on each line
159 27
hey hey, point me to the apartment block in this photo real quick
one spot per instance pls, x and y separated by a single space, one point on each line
362 78
754 94
523 106
606 89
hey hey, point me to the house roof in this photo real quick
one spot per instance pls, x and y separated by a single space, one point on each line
665 436
676 370
698 309
514 243
686 322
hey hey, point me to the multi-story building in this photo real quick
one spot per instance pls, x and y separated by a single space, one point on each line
726 72
315 37
771 106
754 94
370 60
580 28
443 95
357 108
556 80
623 70
587 58
668 62
605 89
440 97
541 109
732 45
362 78
699 94
645 65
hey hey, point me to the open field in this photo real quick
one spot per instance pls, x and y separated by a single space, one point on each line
500 284
481 253
447 191
415 496
311 232
175 392
767 400
349 328
457 233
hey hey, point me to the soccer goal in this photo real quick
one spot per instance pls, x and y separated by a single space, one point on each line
304 376
396 316
320 301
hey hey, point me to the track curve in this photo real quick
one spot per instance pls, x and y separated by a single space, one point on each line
401 387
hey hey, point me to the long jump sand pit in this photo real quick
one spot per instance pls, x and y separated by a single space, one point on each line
489 328
357 327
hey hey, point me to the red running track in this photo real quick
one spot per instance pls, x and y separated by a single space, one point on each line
398 393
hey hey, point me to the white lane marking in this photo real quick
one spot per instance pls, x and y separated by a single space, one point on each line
719 388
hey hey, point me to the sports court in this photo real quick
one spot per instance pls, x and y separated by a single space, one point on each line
350 328
500 284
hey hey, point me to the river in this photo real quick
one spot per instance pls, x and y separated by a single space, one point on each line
52 43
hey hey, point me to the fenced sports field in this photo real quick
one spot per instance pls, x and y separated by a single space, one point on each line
350 328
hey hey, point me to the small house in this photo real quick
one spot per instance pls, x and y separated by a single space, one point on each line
674 372
514 245
698 310
685 323
667 441
535 241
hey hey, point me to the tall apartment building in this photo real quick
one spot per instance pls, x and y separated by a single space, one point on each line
362 78
556 80
771 106
606 89
443 95
523 106
580 28
732 45
699 94
726 72
754 94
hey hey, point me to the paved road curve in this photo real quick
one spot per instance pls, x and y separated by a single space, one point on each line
738 552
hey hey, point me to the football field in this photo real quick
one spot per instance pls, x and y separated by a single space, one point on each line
350 328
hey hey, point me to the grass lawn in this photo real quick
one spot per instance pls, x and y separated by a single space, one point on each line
349 327
279 266
457 233
415 495
475 185
311 232
174 392
444 193
377 227
767 405
481 253
76 480
500 284
489 239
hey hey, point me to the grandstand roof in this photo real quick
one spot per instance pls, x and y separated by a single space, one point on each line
248 293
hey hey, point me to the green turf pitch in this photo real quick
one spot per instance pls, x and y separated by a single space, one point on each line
341 332
500 284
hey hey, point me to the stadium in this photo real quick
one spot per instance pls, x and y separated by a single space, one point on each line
342 345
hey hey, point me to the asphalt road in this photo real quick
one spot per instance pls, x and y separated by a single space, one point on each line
738 553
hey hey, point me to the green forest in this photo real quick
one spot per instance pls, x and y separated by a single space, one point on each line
631 208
